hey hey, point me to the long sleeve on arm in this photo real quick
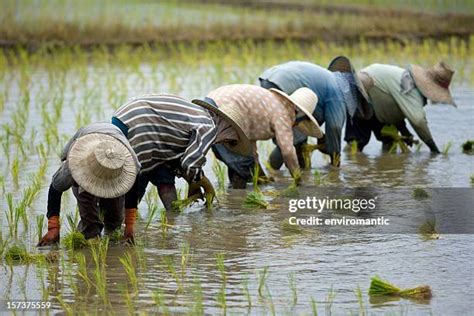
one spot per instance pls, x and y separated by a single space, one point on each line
284 137
62 180
411 104
195 154
335 117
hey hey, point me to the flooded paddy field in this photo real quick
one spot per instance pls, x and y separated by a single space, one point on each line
229 259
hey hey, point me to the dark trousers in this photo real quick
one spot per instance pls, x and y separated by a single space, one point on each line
92 208
360 130
239 168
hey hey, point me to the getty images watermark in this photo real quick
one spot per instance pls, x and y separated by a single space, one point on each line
320 205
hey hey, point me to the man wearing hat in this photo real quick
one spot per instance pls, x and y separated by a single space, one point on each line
171 137
100 166
339 92
397 94
262 114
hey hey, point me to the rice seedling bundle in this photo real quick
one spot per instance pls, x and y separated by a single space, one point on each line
467 146
380 287
420 193
398 141
75 240
255 199
19 254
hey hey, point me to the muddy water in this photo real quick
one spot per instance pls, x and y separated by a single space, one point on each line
253 239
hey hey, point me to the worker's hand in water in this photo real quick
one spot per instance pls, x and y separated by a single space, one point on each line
130 218
202 189
336 159
52 236
265 179
409 140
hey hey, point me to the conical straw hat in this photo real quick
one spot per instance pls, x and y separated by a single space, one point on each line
305 100
102 165
434 82
236 119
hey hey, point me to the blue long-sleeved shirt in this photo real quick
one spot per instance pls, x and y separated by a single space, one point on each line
330 109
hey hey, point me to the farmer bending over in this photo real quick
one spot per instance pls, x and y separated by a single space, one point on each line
100 166
171 137
339 92
263 114
395 94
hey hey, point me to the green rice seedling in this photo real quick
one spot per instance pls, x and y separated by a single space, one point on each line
73 221
129 267
467 146
15 169
13 217
99 254
75 240
294 290
185 258
262 278
67 308
39 226
286 227
181 204
17 253
398 141
319 178
116 236
354 147
159 300
329 300
270 302
360 300
428 230
380 287
418 147
472 178
164 223
255 199
198 306
447 147
169 264
245 290
152 213
314 308
420 193
219 170
128 300
221 297
82 269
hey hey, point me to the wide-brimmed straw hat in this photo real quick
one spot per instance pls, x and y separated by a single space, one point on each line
434 82
102 165
343 64
305 101
235 118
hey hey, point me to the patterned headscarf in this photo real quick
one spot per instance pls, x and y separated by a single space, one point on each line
349 90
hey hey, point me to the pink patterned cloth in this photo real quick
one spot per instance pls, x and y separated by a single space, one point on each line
268 115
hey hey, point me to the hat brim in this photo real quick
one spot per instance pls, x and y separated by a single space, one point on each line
429 88
243 146
343 64
83 175
315 131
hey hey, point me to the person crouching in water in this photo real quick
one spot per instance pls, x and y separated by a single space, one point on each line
397 94
263 114
171 137
100 167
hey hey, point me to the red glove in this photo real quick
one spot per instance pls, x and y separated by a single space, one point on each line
52 236
130 218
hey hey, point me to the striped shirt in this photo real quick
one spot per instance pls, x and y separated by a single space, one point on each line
166 128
